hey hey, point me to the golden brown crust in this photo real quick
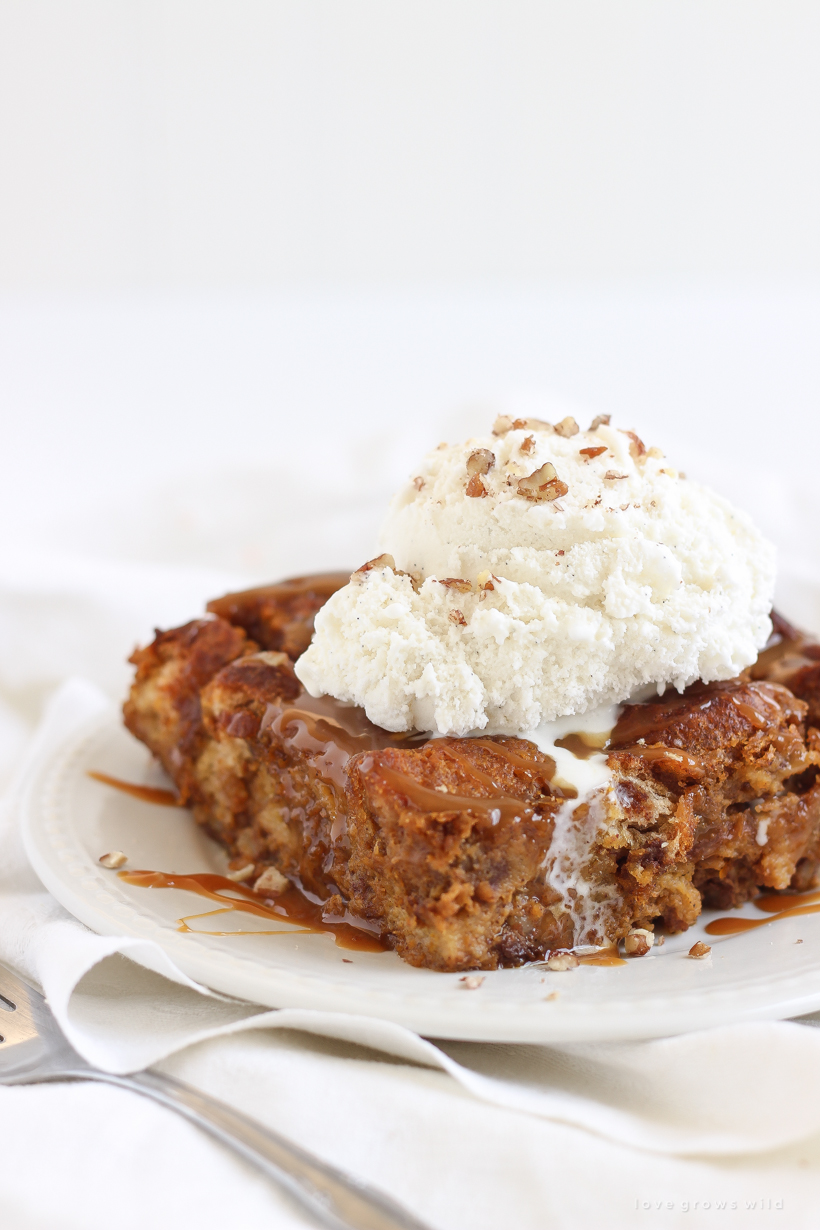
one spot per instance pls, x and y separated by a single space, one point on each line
163 708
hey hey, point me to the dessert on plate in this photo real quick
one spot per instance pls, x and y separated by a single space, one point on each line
555 711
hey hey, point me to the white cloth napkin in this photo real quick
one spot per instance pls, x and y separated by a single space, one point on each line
468 1135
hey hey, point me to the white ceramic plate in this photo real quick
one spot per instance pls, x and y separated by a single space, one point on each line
71 820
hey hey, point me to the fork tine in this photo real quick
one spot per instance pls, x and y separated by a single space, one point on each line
17 1020
24 1016
10 981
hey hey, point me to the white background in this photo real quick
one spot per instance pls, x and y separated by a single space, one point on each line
256 257
224 143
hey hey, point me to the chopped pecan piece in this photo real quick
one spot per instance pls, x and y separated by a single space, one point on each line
531 424
543 484
271 881
637 448
456 617
699 950
600 420
380 561
457 583
528 444
504 423
418 482
480 462
562 961
589 453
638 942
114 860
387 561
567 427
613 476
241 873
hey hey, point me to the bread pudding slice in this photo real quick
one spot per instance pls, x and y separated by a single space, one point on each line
467 853
345 811
737 754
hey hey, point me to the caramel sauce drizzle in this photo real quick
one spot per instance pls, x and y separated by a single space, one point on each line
772 904
148 794
333 733
426 799
653 752
602 956
750 713
648 720
583 744
291 906
320 724
469 769
544 767
640 728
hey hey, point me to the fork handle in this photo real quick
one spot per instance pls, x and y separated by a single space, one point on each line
337 1200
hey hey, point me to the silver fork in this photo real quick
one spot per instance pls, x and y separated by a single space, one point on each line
33 1049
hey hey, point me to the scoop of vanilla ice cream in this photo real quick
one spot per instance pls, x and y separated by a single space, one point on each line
538 572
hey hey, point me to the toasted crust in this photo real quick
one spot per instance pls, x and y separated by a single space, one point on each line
163 708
